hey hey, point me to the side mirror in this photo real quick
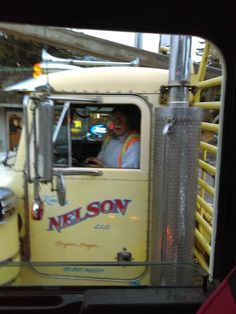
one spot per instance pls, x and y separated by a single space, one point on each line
44 133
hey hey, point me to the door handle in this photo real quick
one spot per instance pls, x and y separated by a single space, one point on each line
89 172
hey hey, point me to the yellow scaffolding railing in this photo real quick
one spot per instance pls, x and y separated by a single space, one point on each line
206 163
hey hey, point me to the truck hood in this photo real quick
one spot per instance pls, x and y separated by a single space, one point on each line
9 157
6 176
12 179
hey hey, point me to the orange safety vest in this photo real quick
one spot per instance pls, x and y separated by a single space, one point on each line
132 138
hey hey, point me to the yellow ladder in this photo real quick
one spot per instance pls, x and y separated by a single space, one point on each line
207 159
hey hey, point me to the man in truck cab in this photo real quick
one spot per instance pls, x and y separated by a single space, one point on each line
121 146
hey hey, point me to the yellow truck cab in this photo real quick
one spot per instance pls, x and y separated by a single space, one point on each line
105 214
64 222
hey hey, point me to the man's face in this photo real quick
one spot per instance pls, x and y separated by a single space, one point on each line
120 123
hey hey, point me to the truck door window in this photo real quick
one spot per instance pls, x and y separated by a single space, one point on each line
83 131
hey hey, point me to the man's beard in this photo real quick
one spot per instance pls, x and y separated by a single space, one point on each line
114 135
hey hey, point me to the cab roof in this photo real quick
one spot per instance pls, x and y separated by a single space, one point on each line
98 80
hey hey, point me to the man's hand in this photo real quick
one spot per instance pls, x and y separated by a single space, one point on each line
94 162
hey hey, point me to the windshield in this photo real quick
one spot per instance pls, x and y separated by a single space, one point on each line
113 228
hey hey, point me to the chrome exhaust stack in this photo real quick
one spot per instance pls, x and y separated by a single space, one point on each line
175 173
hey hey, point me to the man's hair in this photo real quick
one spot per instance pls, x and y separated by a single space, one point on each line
132 114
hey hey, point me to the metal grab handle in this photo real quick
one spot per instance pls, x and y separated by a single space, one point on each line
83 172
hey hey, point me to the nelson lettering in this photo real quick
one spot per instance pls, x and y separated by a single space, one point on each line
93 209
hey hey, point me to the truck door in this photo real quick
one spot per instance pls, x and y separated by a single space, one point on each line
105 216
